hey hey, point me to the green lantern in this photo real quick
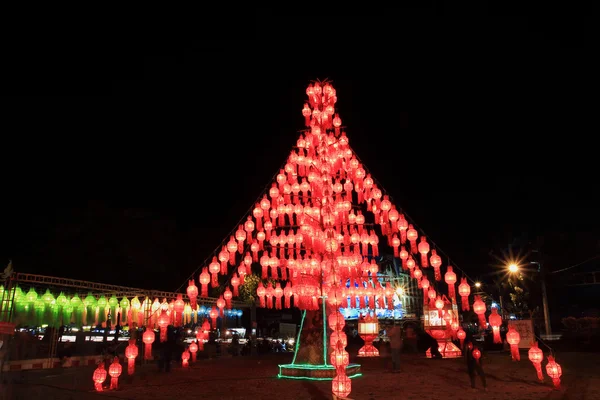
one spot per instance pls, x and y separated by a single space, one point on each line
90 304
67 313
31 296
39 306
124 310
102 309
113 303
61 300
78 309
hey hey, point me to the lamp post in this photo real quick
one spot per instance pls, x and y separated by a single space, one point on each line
514 268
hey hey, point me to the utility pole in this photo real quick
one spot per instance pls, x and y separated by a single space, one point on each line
545 307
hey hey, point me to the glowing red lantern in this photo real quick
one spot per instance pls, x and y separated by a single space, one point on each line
554 371
232 248
213 314
495 322
131 353
476 354
339 358
341 386
221 305
439 304
479 308
288 292
99 377
464 290
163 323
227 296
214 268
148 338
192 293
412 235
536 356
424 250
368 329
204 280
513 338
185 358
338 336
278 292
114 370
193 350
235 283
450 279
178 308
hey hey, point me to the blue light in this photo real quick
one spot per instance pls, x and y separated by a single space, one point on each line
202 310
240 313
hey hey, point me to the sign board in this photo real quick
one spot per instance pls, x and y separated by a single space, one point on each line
7 328
287 331
525 329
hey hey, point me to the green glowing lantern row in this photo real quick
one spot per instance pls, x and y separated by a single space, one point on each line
37 309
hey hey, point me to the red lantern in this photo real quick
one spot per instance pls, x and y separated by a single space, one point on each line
192 293
476 354
339 358
341 386
204 281
178 308
464 290
185 358
214 314
513 338
214 268
396 245
450 278
99 377
240 236
479 308
235 283
193 350
148 338
288 292
114 370
338 336
412 235
163 323
221 305
554 371
278 292
368 329
536 356
495 322
227 295
424 249
232 248
131 352
439 304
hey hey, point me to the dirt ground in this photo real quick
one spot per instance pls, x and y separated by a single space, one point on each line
255 378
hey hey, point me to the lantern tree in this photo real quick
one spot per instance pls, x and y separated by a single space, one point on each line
316 232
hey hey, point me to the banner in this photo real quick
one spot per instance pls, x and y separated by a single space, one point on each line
525 329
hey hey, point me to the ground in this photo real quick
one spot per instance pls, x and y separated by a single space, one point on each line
255 378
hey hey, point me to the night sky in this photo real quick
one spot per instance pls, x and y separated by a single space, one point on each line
130 167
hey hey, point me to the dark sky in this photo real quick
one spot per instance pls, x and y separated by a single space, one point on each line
129 166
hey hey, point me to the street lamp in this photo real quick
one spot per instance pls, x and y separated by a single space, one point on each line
514 268
477 285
